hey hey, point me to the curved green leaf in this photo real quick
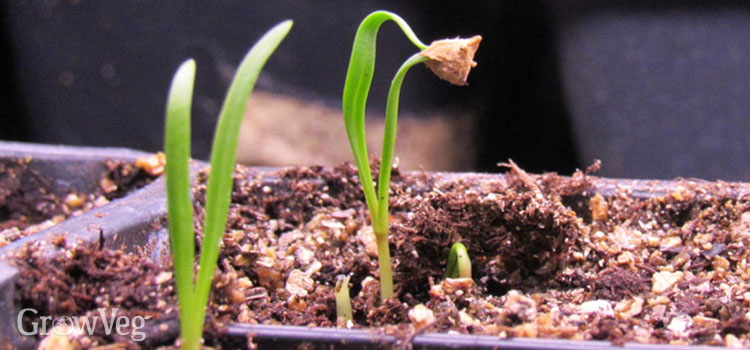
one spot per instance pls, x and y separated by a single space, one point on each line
357 87
224 154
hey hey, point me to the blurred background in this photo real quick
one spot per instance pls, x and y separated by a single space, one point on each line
654 90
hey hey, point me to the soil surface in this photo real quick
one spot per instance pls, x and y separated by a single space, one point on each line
552 257
28 203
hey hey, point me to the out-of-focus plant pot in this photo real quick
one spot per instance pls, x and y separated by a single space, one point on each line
658 89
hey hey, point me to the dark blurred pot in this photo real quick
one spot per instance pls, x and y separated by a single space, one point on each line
658 89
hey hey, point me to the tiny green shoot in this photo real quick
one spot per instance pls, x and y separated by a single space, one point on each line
449 59
343 301
459 264
193 291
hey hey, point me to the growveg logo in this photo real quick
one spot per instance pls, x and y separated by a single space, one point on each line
75 325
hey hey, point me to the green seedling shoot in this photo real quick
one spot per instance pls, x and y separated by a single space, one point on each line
450 59
459 264
343 301
192 290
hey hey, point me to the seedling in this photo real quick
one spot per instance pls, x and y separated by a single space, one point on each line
450 60
459 264
343 301
193 291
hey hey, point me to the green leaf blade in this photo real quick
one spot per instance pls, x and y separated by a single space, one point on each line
179 199
224 152
389 139
356 89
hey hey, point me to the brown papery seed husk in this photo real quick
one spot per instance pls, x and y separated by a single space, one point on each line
452 59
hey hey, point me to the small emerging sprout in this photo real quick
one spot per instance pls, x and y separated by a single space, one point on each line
343 301
459 264
193 291
449 59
